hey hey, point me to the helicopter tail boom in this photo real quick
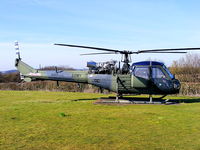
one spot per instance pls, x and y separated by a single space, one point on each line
30 74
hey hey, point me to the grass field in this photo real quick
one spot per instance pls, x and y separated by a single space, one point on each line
51 120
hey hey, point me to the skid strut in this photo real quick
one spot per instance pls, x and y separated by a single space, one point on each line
150 99
118 95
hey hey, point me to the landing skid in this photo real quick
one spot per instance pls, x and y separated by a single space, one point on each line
134 100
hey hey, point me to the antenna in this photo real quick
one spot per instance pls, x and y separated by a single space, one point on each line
17 50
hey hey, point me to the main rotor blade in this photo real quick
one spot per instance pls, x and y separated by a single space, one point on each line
97 53
172 49
164 52
89 47
131 52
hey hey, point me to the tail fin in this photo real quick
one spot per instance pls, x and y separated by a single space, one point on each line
22 67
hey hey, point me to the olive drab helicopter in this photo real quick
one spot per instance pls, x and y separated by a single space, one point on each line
145 77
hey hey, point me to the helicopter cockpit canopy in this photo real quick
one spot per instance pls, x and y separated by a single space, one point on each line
158 74
159 70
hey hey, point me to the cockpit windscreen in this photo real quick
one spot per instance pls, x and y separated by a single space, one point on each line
168 72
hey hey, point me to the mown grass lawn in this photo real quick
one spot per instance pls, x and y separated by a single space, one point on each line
51 120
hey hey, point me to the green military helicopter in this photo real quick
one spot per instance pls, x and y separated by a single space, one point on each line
145 77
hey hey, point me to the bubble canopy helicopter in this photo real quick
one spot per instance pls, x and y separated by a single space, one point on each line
145 77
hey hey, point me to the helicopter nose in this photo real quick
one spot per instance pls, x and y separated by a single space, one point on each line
177 85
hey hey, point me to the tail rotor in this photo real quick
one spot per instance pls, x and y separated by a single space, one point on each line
17 50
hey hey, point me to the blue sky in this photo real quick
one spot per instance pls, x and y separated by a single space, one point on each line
127 24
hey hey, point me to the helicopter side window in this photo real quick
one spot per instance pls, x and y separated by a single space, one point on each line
157 73
142 72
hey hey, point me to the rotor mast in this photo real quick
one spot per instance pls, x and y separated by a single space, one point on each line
126 57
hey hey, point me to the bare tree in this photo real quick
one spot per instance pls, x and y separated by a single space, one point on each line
187 70
190 64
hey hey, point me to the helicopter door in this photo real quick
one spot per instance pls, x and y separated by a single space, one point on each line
140 77
161 81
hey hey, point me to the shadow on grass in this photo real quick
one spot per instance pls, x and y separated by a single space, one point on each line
189 100
85 99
